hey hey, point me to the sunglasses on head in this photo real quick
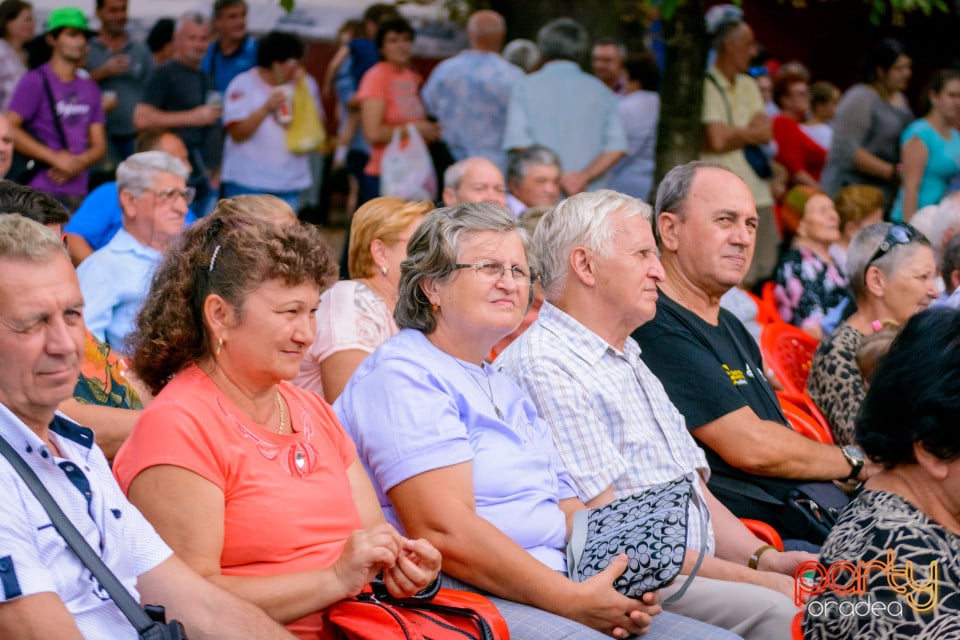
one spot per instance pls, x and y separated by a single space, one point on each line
899 233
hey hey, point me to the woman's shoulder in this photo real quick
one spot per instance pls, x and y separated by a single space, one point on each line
881 517
843 343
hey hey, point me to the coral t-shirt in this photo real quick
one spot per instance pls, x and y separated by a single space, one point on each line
400 91
287 500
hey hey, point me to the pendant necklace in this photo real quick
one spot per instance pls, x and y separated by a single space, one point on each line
488 391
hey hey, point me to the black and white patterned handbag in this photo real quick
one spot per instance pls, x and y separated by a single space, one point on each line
649 526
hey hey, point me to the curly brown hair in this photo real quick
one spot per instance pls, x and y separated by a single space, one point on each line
229 256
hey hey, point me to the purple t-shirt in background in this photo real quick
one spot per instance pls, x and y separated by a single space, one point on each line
78 105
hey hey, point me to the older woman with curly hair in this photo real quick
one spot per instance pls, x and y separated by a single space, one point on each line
907 520
457 451
891 276
356 316
249 479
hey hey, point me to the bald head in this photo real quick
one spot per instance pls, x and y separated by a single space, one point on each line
486 30
474 180
6 145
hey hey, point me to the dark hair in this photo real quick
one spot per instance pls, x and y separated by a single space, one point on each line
161 33
823 92
882 56
915 393
222 5
950 261
278 46
227 255
9 10
36 205
393 25
380 11
643 68
783 82
938 81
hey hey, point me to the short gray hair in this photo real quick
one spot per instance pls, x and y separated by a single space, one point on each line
433 250
563 39
24 239
522 53
453 176
191 17
520 161
137 173
582 220
936 221
674 189
864 246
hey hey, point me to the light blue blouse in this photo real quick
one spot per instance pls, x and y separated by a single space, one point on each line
412 408
943 165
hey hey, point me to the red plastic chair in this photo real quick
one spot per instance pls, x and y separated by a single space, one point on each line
804 423
766 294
796 628
763 531
788 351
765 312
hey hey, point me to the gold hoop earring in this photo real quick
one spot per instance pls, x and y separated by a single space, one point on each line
216 354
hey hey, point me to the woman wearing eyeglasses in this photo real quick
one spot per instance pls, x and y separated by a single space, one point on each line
456 450
892 276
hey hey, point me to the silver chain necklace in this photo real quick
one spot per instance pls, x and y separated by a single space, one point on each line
488 391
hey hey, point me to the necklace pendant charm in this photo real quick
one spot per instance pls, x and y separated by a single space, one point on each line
299 459
499 413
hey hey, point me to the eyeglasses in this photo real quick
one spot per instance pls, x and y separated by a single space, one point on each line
899 233
187 194
493 271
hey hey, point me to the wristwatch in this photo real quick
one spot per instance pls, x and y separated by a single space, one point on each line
854 456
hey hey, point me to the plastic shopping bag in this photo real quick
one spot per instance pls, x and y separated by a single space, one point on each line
306 132
407 172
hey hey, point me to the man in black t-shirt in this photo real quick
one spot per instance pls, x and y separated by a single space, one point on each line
706 224
178 95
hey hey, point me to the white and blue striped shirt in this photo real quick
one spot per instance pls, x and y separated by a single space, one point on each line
35 559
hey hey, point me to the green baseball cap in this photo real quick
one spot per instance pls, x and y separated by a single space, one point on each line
68 17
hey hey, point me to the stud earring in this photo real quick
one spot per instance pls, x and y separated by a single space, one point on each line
383 271
434 308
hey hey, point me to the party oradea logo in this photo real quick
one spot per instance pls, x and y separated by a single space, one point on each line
845 579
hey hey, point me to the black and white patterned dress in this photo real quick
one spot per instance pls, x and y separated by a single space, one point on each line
875 523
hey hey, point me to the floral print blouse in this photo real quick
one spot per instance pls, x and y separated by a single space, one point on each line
811 291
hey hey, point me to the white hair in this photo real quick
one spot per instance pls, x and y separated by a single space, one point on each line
582 220
936 221
137 173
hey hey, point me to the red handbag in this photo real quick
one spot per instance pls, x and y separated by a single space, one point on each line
444 614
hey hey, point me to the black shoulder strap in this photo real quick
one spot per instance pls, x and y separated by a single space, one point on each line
53 111
723 96
118 593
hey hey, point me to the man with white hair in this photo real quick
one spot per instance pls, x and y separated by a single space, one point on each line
469 92
474 180
115 279
567 110
615 428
